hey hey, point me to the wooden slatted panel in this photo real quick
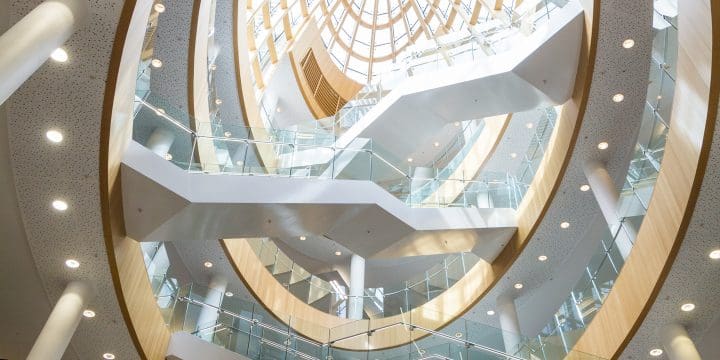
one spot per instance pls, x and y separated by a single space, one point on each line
325 95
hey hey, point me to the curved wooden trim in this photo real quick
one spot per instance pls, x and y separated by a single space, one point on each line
198 86
249 105
127 266
694 113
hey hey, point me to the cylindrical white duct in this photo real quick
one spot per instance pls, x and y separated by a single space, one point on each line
29 43
357 287
59 328
677 343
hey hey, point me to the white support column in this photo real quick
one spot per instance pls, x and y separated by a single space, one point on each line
55 336
357 287
607 196
209 315
678 344
509 323
160 141
29 43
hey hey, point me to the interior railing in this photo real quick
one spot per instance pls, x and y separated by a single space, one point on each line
332 296
299 156
247 328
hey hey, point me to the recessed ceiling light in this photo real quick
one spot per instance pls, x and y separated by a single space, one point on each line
59 205
89 314
656 352
618 98
564 225
715 254
156 63
529 125
518 286
159 8
603 145
59 55
228 134
303 238
54 136
436 144
542 257
410 159
218 101
338 253
629 43
584 187
72 263
208 264
457 123
108 356
687 307
491 312
278 109
229 294
513 155
168 156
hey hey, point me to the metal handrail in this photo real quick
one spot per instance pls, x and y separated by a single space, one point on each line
369 332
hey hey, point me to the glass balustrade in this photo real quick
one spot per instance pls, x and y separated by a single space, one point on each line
377 302
247 328
222 148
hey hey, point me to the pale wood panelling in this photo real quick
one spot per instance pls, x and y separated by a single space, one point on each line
662 231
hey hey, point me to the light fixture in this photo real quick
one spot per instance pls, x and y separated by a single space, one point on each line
159 8
108 356
159 111
513 155
618 98
167 156
529 125
228 134
229 294
436 144
278 109
518 286
656 352
218 101
410 159
208 264
542 257
72 263
338 253
89 314
239 163
457 123
715 254
629 43
156 63
603 145
59 205
54 136
59 55
491 312
303 238
687 307
564 225
213 67
584 187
